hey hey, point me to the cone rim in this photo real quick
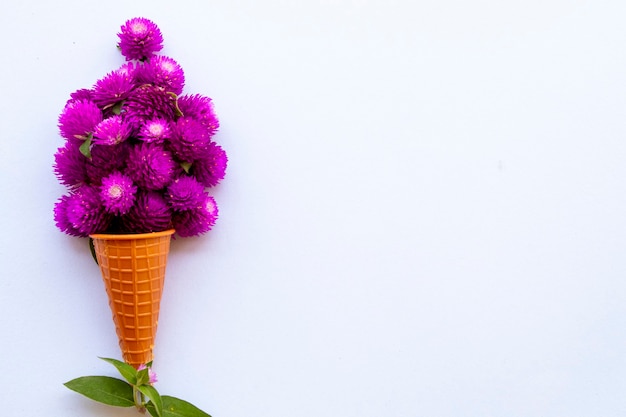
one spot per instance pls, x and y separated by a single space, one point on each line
131 236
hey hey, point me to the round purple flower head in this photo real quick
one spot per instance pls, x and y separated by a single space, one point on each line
78 119
190 139
85 211
196 221
149 102
118 193
149 214
82 94
113 88
129 69
156 130
150 166
200 108
164 72
70 164
139 39
104 160
211 169
112 131
185 193
60 217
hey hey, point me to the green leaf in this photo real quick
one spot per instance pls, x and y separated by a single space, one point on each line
143 377
104 389
175 407
85 147
154 397
152 410
92 249
117 107
127 371
186 166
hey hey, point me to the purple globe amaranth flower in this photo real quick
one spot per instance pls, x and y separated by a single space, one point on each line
79 119
150 166
149 214
211 169
60 217
113 88
185 193
200 108
82 94
148 102
129 69
85 211
139 39
105 160
156 130
118 193
164 72
70 164
190 139
112 131
196 221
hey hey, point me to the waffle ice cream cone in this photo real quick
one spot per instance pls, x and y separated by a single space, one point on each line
133 271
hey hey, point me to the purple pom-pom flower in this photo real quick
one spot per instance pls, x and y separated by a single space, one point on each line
156 130
185 193
190 139
82 94
113 88
200 108
79 119
149 102
118 193
196 221
104 160
139 39
60 217
112 131
149 214
129 69
164 72
85 211
211 169
150 166
70 164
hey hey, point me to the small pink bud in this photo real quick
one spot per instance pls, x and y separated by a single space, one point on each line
152 376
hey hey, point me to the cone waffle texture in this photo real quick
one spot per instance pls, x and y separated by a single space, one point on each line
133 271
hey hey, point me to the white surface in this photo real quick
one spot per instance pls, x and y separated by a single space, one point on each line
424 213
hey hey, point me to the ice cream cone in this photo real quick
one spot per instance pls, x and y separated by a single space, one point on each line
133 271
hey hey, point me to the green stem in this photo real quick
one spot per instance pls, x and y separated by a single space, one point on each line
139 400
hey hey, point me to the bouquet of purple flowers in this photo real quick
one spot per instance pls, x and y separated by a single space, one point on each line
139 154
138 158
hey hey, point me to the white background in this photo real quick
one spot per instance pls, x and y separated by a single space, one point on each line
423 215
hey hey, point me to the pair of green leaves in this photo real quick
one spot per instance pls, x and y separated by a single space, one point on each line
132 391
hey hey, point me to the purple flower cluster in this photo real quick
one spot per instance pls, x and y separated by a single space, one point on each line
138 154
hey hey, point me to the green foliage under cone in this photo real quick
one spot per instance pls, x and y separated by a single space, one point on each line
104 389
132 392
175 407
